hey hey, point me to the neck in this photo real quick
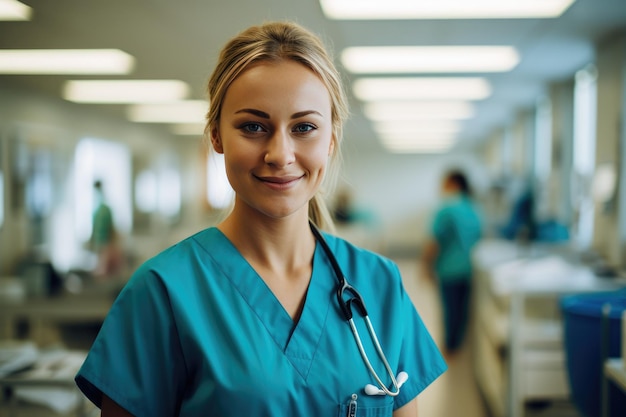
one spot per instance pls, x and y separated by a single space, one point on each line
279 245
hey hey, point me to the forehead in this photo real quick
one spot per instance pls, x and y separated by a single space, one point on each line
285 79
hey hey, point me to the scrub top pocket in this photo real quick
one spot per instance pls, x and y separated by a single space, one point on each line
383 408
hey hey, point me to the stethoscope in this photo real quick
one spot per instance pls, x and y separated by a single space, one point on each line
346 308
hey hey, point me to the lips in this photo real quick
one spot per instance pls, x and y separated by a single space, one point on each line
281 182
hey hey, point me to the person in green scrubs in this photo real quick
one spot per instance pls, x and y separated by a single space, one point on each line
105 240
242 318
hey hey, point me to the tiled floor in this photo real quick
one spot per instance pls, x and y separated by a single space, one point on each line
454 394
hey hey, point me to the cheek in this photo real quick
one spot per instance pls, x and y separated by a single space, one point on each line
317 159
233 163
321 153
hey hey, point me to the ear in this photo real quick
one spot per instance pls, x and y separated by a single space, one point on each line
216 141
331 147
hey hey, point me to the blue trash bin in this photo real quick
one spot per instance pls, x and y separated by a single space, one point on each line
584 335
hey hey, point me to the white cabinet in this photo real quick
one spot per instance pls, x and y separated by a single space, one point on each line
517 330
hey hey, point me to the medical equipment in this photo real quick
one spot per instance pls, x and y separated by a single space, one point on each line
346 307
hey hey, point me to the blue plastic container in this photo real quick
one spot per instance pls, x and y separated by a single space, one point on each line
584 335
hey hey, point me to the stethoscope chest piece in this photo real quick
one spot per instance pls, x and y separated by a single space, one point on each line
347 297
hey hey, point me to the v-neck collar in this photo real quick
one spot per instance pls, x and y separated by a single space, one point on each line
297 341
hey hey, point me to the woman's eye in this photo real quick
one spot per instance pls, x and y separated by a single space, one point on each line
304 128
252 128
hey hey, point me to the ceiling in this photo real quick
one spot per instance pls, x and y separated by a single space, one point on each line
181 40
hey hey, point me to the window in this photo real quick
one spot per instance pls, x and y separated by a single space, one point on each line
146 191
543 140
219 191
169 193
585 107
109 162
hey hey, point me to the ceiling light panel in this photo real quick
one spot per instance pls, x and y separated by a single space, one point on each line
188 129
418 110
425 140
65 61
433 142
422 88
14 10
188 111
417 128
430 147
429 59
125 91
443 9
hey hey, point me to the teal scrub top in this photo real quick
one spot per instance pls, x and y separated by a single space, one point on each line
197 332
103 227
457 228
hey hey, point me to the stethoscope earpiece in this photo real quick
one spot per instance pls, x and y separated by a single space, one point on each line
371 389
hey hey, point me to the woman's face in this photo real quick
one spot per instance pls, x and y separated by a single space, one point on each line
275 131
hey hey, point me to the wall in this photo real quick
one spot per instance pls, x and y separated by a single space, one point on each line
611 64
402 190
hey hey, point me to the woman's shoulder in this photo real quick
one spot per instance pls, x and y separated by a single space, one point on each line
351 254
175 259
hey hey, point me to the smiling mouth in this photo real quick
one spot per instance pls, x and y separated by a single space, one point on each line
279 182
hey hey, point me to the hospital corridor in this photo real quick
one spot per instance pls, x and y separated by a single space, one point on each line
269 208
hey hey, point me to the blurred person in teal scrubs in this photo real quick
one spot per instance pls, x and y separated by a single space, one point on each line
242 318
455 229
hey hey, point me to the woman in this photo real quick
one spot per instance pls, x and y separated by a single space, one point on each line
456 228
242 319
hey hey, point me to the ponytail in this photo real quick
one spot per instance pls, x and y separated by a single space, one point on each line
319 214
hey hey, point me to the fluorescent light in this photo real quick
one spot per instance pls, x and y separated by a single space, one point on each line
444 88
425 139
416 128
429 59
65 61
443 9
124 91
188 129
430 143
418 110
419 147
187 111
414 138
14 10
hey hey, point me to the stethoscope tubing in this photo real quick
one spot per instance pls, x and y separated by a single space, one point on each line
381 355
347 311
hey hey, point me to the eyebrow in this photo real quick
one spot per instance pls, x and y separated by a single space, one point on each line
264 115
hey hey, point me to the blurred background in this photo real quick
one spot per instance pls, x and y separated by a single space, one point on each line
528 98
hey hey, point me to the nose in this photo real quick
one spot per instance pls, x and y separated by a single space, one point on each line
279 152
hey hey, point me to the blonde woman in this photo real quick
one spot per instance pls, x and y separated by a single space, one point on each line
248 318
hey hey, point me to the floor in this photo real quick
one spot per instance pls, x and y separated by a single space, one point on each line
453 394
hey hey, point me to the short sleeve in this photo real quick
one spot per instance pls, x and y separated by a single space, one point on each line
136 359
420 357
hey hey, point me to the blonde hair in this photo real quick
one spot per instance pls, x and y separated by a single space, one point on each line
275 41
